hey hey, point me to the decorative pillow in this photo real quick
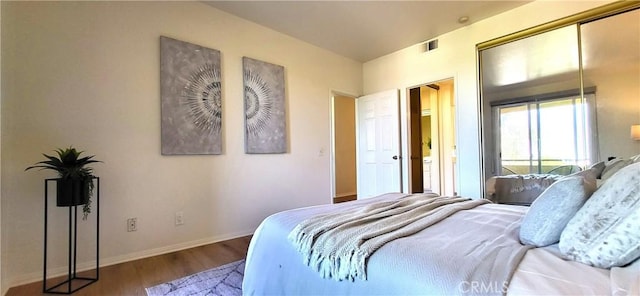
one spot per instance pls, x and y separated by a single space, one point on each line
598 167
552 210
605 231
589 175
614 166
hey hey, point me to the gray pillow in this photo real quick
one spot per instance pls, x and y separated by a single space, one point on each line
606 230
597 167
552 210
590 175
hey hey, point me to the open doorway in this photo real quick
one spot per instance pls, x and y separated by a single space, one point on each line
432 144
343 134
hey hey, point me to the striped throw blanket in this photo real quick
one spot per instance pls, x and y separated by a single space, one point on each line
338 244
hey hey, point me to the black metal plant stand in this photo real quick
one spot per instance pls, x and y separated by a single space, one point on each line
72 282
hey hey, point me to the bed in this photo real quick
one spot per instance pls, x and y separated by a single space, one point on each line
523 189
518 189
441 259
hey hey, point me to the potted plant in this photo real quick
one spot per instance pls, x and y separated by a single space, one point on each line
75 179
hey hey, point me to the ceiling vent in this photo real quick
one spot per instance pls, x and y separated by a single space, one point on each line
431 45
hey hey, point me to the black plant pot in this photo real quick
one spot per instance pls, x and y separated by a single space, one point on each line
72 192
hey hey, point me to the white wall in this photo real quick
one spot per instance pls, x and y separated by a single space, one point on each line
456 57
87 74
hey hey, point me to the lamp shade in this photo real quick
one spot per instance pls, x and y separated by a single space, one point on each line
635 132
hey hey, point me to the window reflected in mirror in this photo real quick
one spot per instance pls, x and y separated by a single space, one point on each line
556 137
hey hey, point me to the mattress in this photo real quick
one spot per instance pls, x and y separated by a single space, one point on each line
274 267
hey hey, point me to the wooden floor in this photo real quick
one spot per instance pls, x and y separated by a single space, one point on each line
344 198
131 278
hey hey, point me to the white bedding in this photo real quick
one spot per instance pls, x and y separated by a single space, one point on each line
274 267
338 244
543 272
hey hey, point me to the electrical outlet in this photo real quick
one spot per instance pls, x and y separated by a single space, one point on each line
179 218
132 224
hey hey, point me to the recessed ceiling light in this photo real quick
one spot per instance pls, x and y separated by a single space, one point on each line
463 19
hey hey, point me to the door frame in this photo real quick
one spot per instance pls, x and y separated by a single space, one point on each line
332 138
407 136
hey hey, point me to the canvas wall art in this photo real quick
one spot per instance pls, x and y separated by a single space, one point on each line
264 105
191 95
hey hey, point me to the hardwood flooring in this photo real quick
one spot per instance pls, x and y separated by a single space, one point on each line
344 198
131 278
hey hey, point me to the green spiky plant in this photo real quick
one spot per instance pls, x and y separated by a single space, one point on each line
71 167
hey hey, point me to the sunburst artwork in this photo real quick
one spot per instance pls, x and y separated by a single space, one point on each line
191 95
264 106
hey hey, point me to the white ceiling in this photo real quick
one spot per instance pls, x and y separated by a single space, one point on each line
364 30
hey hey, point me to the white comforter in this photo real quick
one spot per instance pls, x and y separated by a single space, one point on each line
404 266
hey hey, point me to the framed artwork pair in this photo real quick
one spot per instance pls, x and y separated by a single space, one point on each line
192 109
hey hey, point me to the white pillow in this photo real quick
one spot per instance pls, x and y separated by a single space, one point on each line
552 210
606 230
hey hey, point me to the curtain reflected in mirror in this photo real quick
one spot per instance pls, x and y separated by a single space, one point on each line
559 101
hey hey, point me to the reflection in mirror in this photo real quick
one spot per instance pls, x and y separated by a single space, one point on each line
611 62
543 114
539 64
530 89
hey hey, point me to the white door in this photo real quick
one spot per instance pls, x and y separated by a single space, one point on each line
378 144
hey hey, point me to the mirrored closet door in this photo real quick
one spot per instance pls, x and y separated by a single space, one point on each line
562 96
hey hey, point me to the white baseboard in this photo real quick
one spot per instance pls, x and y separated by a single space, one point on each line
89 265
